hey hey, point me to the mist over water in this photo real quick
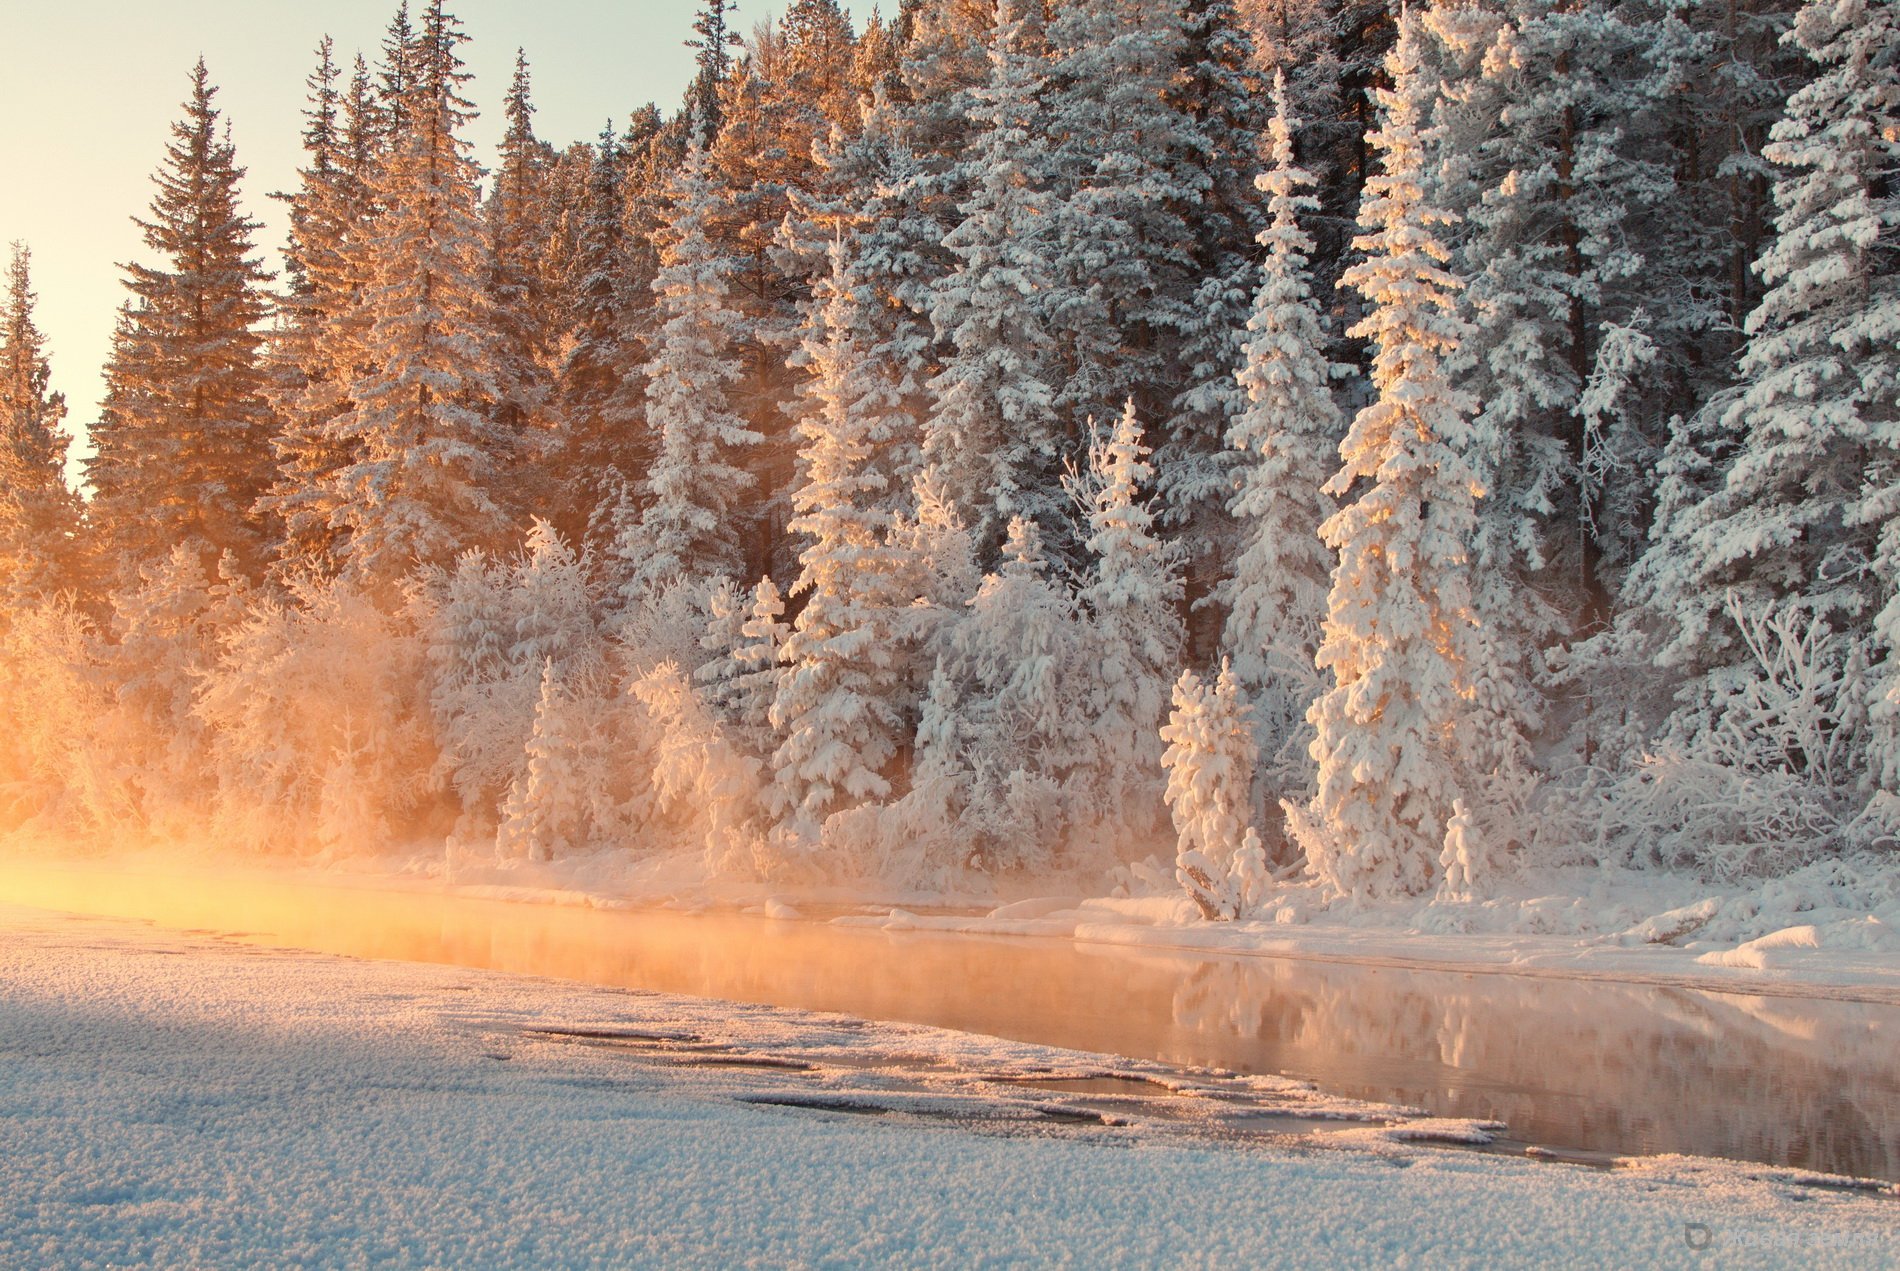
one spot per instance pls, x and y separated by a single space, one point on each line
1595 1066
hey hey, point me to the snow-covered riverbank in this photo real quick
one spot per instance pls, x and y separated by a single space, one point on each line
1831 930
172 1099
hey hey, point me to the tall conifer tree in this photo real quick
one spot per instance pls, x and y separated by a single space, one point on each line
993 441
839 705
519 228
602 387
1285 445
691 519
712 45
184 452
1400 639
38 514
429 453
319 345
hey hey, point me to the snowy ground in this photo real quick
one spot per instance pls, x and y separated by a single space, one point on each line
176 1099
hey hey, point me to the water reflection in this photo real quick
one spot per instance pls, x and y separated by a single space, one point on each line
1601 1067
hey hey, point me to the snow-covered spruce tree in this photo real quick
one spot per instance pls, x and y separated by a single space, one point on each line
1220 93
563 201
323 144
1286 445
1400 637
1552 156
786 95
602 386
1333 53
1838 253
1806 447
692 521
839 706
1210 759
319 344
1734 76
712 53
992 440
182 453
889 249
544 816
429 456
38 514
870 191
524 301
396 73
1132 600
944 59
1124 173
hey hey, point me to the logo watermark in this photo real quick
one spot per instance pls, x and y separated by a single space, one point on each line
1704 1238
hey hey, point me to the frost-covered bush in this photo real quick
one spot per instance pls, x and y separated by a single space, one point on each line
1799 709
709 787
490 628
1017 660
55 769
1683 811
165 637
1845 890
667 622
320 730
1758 777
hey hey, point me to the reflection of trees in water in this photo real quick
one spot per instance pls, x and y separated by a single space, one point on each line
1232 998
1617 1067
1608 1066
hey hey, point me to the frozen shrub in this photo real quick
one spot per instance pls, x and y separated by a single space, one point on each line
320 734
1209 759
702 779
1760 778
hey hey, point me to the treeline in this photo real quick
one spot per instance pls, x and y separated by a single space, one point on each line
1402 444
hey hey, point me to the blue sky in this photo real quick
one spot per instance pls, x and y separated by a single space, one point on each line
90 91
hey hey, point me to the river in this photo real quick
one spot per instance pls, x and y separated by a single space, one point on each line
1589 1066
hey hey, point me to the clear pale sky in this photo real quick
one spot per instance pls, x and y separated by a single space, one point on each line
91 87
